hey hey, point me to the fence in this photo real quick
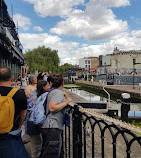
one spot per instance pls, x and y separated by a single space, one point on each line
89 136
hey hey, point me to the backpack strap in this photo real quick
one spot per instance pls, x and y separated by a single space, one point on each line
45 103
12 92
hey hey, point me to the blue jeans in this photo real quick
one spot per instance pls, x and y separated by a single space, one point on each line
11 146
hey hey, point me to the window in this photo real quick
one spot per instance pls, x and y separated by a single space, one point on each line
88 61
85 61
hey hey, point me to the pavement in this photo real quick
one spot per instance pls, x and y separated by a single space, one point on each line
123 88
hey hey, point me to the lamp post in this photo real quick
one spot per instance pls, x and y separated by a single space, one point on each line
133 72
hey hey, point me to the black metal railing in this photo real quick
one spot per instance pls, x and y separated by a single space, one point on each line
85 136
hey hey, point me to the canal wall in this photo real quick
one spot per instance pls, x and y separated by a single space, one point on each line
115 91
122 79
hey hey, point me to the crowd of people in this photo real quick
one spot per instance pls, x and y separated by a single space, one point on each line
23 94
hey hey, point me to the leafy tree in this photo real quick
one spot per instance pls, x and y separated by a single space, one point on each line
44 59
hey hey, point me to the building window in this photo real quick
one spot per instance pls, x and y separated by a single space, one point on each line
85 61
85 66
88 61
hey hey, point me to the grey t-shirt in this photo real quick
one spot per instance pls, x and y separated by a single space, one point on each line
55 119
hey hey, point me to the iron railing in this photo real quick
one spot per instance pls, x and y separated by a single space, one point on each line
86 136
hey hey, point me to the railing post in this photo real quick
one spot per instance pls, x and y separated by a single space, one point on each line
77 133
125 106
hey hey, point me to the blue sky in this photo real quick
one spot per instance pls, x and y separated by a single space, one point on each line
78 28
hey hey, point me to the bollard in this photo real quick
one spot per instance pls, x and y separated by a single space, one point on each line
77 133
125 106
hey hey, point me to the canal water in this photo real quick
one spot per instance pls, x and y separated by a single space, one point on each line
90 97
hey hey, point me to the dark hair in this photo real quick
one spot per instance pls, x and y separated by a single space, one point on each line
57 80
40 85
40 76
49 79
5 74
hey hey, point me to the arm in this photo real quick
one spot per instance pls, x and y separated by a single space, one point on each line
27 92
55 106
22 118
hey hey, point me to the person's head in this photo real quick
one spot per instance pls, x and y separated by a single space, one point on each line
42 87
41 76
57 80
6 74
32 79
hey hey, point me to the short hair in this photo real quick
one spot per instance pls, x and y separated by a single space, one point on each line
57 80
31 78
5 74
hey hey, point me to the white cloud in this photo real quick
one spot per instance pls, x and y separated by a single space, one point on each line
37 28
70 52
23 22
65 49
136 33
96 22
69 60
54 7
113 3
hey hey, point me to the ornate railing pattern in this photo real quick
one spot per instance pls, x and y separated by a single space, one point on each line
88 134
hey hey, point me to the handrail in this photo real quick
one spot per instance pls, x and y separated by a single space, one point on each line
76 135
107 93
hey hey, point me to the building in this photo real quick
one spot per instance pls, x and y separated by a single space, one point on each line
120 62
10 47
85 63
104 64
94 63
88 63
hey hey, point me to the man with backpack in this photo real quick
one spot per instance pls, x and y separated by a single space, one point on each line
13 105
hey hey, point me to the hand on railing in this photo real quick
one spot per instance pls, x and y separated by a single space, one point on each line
68 99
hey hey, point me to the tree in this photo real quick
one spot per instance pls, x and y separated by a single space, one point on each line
44 59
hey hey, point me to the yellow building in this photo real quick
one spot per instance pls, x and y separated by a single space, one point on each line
94 62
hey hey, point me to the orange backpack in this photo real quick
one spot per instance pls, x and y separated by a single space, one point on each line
7 111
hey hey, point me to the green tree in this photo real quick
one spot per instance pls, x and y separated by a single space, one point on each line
44 59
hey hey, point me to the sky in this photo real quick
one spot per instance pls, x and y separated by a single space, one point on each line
78 28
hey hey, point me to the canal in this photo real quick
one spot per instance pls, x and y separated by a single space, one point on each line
91 97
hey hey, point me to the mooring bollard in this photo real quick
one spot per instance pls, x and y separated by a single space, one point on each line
125 106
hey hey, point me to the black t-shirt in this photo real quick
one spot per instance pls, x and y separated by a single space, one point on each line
20 101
